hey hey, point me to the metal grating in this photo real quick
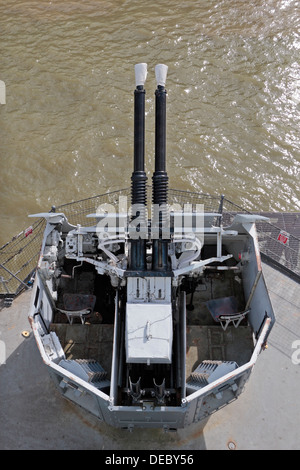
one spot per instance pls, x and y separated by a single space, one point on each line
279 239
18 259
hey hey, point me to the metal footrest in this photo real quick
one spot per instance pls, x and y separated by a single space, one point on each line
203 371
86 369
209 371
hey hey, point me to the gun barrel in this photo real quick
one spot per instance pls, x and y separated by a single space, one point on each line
160 177
139 178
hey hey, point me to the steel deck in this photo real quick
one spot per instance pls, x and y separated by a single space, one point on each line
35 416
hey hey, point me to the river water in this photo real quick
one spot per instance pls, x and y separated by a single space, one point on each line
233 104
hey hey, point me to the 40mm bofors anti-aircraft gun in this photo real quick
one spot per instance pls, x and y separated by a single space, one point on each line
109 308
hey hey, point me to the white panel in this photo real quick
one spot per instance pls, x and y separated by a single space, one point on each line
148 333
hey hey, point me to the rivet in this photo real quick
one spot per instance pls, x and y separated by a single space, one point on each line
231 445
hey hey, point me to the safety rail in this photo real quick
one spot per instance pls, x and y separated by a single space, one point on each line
19 256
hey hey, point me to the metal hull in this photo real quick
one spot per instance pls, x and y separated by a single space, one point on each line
59 341
196 408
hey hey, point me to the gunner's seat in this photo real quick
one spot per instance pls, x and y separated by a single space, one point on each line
78 306
225 311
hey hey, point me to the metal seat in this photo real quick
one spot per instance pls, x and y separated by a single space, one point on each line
225 311
78 306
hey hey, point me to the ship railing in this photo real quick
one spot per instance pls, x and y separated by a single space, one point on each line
19 256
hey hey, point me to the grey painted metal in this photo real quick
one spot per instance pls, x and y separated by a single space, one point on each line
144 413
19 255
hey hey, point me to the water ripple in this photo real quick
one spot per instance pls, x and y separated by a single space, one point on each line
233 99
